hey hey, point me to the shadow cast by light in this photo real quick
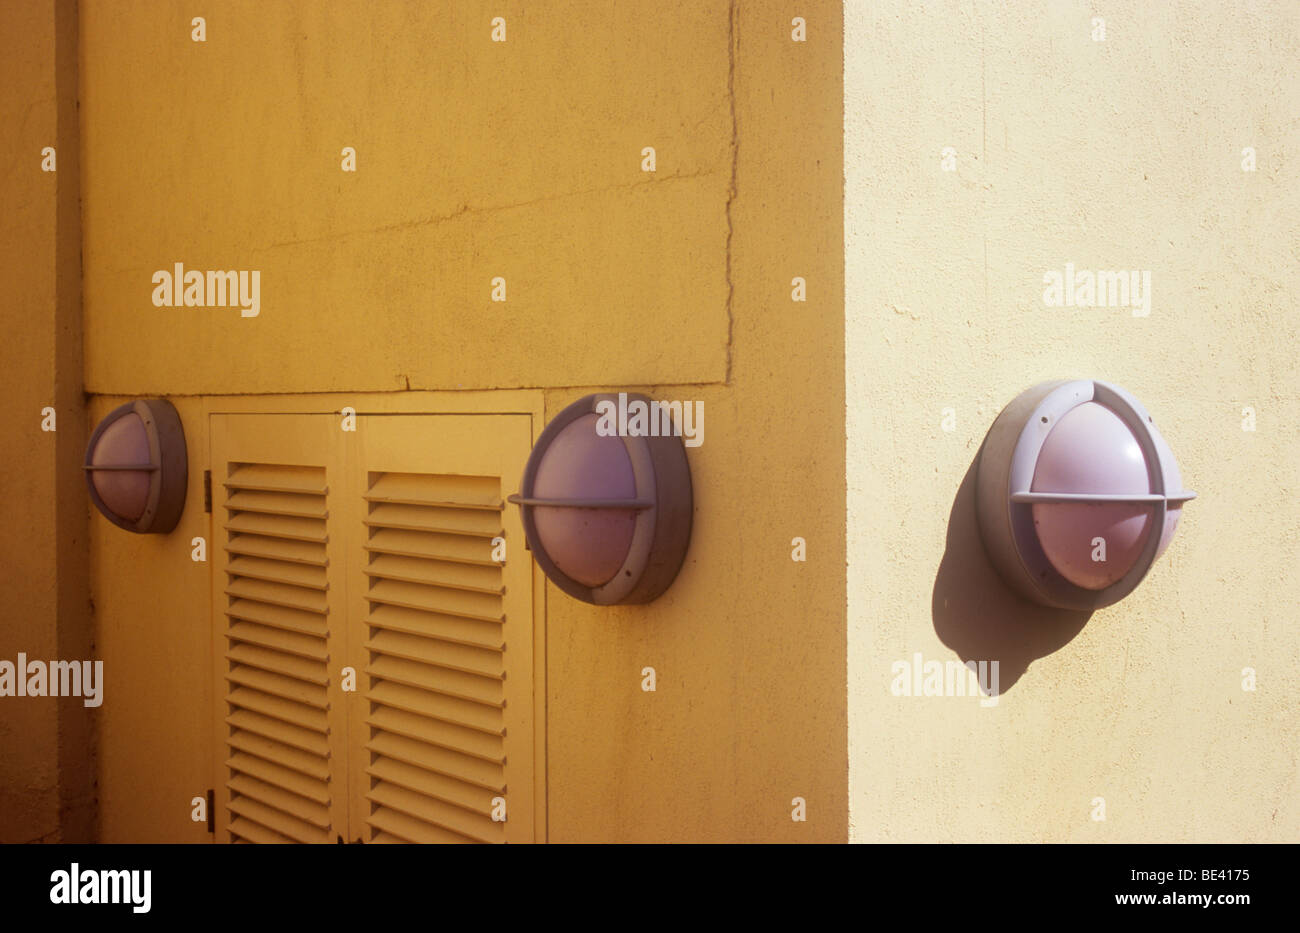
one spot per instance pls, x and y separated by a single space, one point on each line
977 615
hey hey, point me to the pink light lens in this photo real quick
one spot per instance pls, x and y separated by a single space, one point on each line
587 545
123 443
1090 450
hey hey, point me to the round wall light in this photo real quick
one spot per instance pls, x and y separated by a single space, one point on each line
607 516
136 466
1077 494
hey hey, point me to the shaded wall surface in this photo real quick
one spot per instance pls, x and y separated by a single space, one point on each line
477 160
46 745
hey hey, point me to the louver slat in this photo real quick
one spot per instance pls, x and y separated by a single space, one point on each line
436 813
280 549
278 731
312 766
439 706
436 599
453 576
243 830
481 661
286 710
277 503
281 777
288 595
283 800
276 570
398 827
278 526
304 646
445 547
277 821
430 784
430 489
275 685
293 620
279 662
478 522
278 478
437 679
277 652
437 658
437 732
388 839
473 632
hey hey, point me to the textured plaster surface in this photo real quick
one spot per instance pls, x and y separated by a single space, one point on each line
46 744
1123 154
475 160
677 284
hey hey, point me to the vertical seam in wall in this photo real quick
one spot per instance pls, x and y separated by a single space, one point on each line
984 156
732 46
546 694
850 464
76 736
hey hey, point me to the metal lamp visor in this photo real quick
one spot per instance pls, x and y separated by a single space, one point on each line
153 466
1161 471
634 563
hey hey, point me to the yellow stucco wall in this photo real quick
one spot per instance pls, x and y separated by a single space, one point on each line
478 159
153 628
46 745
1117 154
749 645
28 769
475 159
522 160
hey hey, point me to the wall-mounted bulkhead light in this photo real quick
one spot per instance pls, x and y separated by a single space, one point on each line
136 466
1077 494
608 517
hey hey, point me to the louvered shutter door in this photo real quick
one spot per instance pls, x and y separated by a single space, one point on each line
448 640
373 550
283 728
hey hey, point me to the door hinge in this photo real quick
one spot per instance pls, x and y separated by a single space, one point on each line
207 490
212 819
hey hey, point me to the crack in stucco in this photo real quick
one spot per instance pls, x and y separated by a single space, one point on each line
488 209
732 42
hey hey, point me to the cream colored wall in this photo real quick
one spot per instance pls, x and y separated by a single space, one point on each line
1120 154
